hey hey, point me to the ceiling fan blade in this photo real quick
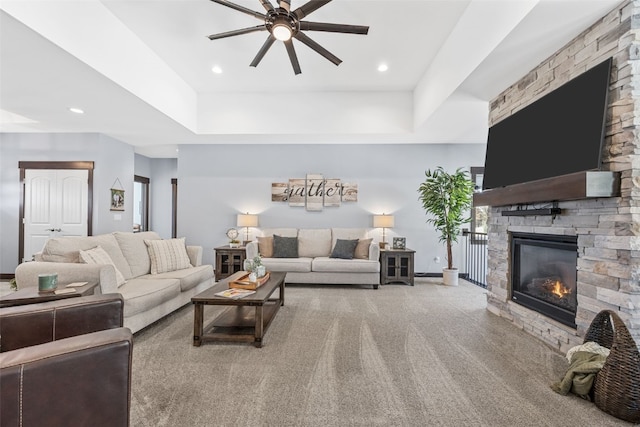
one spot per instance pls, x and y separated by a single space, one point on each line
315 46
333 28
310 7
293 57
285 4
267 5
263 50
240 8
237 32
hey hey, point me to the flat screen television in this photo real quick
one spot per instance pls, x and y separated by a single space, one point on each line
559 134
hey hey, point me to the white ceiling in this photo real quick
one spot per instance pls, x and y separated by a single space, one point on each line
141 69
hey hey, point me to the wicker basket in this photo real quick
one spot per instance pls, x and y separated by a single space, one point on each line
616 389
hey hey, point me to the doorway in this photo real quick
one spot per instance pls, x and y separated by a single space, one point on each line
140 203
56 200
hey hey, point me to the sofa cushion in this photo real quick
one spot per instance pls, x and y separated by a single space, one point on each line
98 255
300 265
135 250
347 234
285 232
285 247
265 246
141 294
362 249
189 277
313 242
70 246
167 255
337 265
344 249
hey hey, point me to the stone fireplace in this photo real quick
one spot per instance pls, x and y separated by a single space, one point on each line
603 231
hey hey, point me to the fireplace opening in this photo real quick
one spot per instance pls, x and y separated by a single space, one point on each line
543 274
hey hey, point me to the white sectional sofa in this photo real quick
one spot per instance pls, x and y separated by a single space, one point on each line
147 297
314 262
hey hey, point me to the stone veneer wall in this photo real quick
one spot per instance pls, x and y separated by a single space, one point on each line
608 229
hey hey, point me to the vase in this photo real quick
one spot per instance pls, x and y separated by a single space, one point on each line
261 270
248 265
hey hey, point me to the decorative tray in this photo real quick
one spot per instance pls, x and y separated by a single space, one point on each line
244 283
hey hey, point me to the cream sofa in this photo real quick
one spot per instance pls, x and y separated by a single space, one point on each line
147 297
314 263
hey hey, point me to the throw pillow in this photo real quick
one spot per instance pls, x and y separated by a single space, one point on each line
98 255
265 247
344 249
362 249
167 255
285 247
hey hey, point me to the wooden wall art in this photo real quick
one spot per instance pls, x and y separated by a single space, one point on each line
314 192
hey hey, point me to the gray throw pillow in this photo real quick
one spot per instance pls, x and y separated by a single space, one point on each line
285 247
344 249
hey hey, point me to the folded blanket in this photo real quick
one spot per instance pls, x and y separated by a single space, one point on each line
581 373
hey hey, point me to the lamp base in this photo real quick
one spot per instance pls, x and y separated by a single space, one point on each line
382 245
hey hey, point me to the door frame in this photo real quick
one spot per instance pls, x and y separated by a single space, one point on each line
87 165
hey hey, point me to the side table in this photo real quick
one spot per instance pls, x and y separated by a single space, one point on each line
32 296
229 260
396 266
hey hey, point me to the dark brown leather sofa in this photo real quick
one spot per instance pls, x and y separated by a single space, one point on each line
65 363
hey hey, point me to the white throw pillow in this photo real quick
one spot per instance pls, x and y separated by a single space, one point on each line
167 255
98 255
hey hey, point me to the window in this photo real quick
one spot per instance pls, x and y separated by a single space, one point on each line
479 214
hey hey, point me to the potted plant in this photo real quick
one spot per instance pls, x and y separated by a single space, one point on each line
447 198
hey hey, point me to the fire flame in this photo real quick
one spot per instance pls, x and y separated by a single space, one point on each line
558 289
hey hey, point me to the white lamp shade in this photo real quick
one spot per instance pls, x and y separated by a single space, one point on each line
247 220
383 221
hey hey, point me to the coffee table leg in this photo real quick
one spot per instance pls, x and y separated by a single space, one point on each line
282 293
198 311
259 327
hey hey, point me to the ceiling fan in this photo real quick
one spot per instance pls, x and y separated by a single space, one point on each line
283 24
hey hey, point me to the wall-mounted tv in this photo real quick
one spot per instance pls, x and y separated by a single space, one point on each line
558 134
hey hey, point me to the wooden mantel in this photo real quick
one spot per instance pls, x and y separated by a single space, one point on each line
575 186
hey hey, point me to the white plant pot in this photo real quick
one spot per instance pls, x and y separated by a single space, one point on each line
450 276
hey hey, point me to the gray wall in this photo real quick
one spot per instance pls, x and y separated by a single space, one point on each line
216 182
113 159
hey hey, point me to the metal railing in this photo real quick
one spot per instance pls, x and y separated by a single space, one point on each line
475 245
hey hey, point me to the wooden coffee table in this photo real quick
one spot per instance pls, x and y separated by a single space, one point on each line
245 320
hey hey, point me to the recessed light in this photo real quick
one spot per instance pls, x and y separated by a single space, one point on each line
383 67
76 110
216 69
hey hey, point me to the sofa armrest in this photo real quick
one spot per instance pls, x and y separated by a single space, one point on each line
68 272
251 250
82 380
374 252
195 255
33 324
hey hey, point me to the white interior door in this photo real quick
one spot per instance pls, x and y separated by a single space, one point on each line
55 205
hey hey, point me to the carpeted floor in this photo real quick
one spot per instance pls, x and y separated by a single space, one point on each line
427 355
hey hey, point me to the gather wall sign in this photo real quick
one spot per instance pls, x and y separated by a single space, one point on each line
314 192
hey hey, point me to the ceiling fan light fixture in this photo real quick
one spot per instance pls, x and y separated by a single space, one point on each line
282 32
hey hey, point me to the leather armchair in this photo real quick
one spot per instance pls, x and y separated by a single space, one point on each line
65 362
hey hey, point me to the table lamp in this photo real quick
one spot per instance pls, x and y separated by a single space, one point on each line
383 221
247 220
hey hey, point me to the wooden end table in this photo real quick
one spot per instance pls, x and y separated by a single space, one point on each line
229 260
32 296
245 320
396 266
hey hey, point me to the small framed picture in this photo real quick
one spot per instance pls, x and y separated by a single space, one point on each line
117 200
399 243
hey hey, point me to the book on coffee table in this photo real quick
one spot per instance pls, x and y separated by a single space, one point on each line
234 293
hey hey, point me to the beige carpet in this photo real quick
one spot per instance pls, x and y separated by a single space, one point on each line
427 355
